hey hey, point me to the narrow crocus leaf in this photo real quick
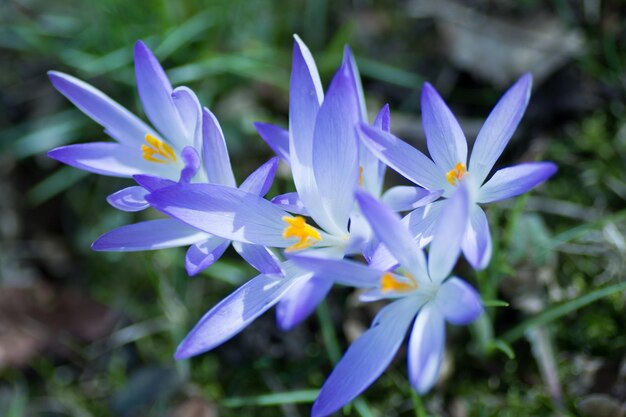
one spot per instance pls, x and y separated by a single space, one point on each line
290 202
394 234
190 112
340 271
404 198
498 128
458 302
121 124
260 181
477 240
233 314
276 137
300 301
129 199
445 139
426 347
202 255
259 257
448 235
108 158
366 358
335 150
224 211
403 158
148 235
214 151
155 92
515 180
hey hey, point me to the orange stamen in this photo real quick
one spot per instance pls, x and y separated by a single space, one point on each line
157 151
297 227
456 173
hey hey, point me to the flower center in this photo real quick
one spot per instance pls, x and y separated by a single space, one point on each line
390 282
297 227
157 151
456 173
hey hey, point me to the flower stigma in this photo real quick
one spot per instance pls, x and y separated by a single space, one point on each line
389 282
298 228
456 173
157 151
360 176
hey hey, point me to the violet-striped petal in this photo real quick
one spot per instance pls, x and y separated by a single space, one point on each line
190 112
129 199
276 137
403 197
445 139
214 151
290 202
394 234
108 158
426 348
477 240
340 271
382 259
448 235
233 314
458 302
301 301
203 254
421 222
121 124
224 211
498 128
403 158
191 159
151 183
155 92
366 358
335 150
260 181
515 180
148 235
259 257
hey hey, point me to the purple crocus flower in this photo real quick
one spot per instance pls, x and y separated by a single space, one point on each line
422 294
448 148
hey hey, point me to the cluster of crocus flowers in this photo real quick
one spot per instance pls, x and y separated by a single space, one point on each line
304 242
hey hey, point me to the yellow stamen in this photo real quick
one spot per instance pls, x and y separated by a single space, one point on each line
360 176
157 151
456 173
389 282
298 228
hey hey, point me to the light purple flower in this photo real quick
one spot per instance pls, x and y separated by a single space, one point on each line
447 169
419 289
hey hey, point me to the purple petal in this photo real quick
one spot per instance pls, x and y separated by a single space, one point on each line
290 202
151 183
383 119
448 235
260 181
216 159
259 257
191 160
477 240
403 158
342 271
335 150
421 222
445 139
203 254
498 128
515 180
366 358
148 235
233 314
301 301
118 122
107 158
190 112
129 199
459 302
224 211
403 198
155 92
426 347
276 137
382 259
390 230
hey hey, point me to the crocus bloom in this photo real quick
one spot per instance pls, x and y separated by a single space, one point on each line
448 168
419 289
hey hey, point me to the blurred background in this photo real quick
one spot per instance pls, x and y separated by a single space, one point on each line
92 334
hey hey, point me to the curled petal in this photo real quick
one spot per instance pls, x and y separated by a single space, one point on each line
203 254
129 199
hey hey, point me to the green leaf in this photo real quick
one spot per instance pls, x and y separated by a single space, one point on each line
265 400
